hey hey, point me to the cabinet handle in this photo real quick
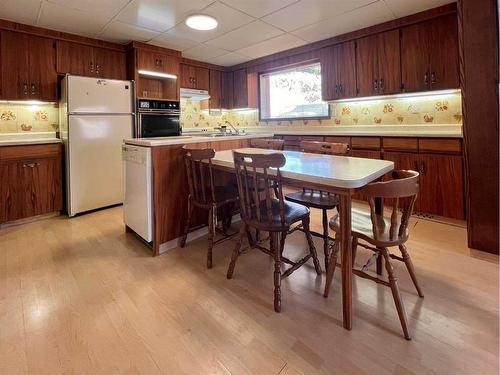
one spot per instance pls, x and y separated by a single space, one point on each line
30 165
33 89
375 85
97 68
25 88
433 78
426 78
423 168
381 85
336 89
91 66
415 165
341 89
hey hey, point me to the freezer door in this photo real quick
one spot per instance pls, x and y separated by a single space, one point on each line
96 95
95 161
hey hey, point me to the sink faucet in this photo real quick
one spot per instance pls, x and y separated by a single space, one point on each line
232 127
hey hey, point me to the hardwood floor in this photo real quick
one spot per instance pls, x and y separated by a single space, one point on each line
81 296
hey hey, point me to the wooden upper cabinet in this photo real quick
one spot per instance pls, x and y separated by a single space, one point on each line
110 64
338 75
240 88
74 58
84 60
429 57
444 53
194 77
378 66
227 90
158 62
367 65
215 89
28 67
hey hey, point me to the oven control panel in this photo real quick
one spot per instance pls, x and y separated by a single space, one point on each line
158 105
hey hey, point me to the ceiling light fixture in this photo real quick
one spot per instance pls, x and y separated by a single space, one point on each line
201 22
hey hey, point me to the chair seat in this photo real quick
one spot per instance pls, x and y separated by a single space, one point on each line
362 228
314 199
293 213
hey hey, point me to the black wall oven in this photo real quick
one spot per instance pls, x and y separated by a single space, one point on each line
158 118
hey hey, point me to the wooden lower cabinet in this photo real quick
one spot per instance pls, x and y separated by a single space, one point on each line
441 182
441 185
31 183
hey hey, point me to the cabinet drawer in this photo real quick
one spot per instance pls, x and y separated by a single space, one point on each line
346 140
29 151
440 145
400 144
369 143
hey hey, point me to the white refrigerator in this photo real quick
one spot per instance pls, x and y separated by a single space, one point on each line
95 116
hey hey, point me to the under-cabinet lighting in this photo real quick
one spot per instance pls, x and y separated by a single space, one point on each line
27 102
425 95
152 73
244 110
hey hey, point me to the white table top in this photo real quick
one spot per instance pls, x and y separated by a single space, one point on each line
336 171
185 139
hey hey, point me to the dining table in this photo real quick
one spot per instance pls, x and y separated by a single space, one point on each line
340 175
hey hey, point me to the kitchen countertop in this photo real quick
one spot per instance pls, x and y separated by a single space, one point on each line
185 139
17 139
440 131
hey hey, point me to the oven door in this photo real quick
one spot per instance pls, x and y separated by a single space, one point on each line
158 125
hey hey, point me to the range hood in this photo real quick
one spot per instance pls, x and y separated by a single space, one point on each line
194 94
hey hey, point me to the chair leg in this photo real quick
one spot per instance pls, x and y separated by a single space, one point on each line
379 264
393 282
325 238
312 249
188 222
236 251
212 224
277 270
332 264
354 249
411 270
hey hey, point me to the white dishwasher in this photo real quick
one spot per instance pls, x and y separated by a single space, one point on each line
137 202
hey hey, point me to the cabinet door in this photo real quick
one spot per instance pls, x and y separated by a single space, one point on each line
329 83
389 63
405 160
215 89
201 78
444 53
366 65
147 60
74 58
15 65
227 80
42 68
415 57
441 185
33 188
110 64
345 67
240 89
188 74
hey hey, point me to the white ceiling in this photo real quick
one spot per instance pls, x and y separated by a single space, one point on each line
247 29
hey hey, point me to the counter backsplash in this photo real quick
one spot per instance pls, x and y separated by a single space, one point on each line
24 118
443 109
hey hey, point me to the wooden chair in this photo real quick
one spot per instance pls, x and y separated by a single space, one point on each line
319 199
205 195
268 143
272 214
381 233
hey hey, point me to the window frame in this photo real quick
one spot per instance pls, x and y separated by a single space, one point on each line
284 68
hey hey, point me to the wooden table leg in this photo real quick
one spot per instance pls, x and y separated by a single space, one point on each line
379 210
346 251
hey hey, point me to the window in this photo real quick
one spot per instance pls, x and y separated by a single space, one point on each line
292 93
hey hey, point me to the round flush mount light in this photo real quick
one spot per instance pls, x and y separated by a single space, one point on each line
201 22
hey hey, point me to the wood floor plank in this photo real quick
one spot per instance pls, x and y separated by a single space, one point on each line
81 296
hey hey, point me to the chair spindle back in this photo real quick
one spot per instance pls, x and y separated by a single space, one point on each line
200 176
252 170
402 190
